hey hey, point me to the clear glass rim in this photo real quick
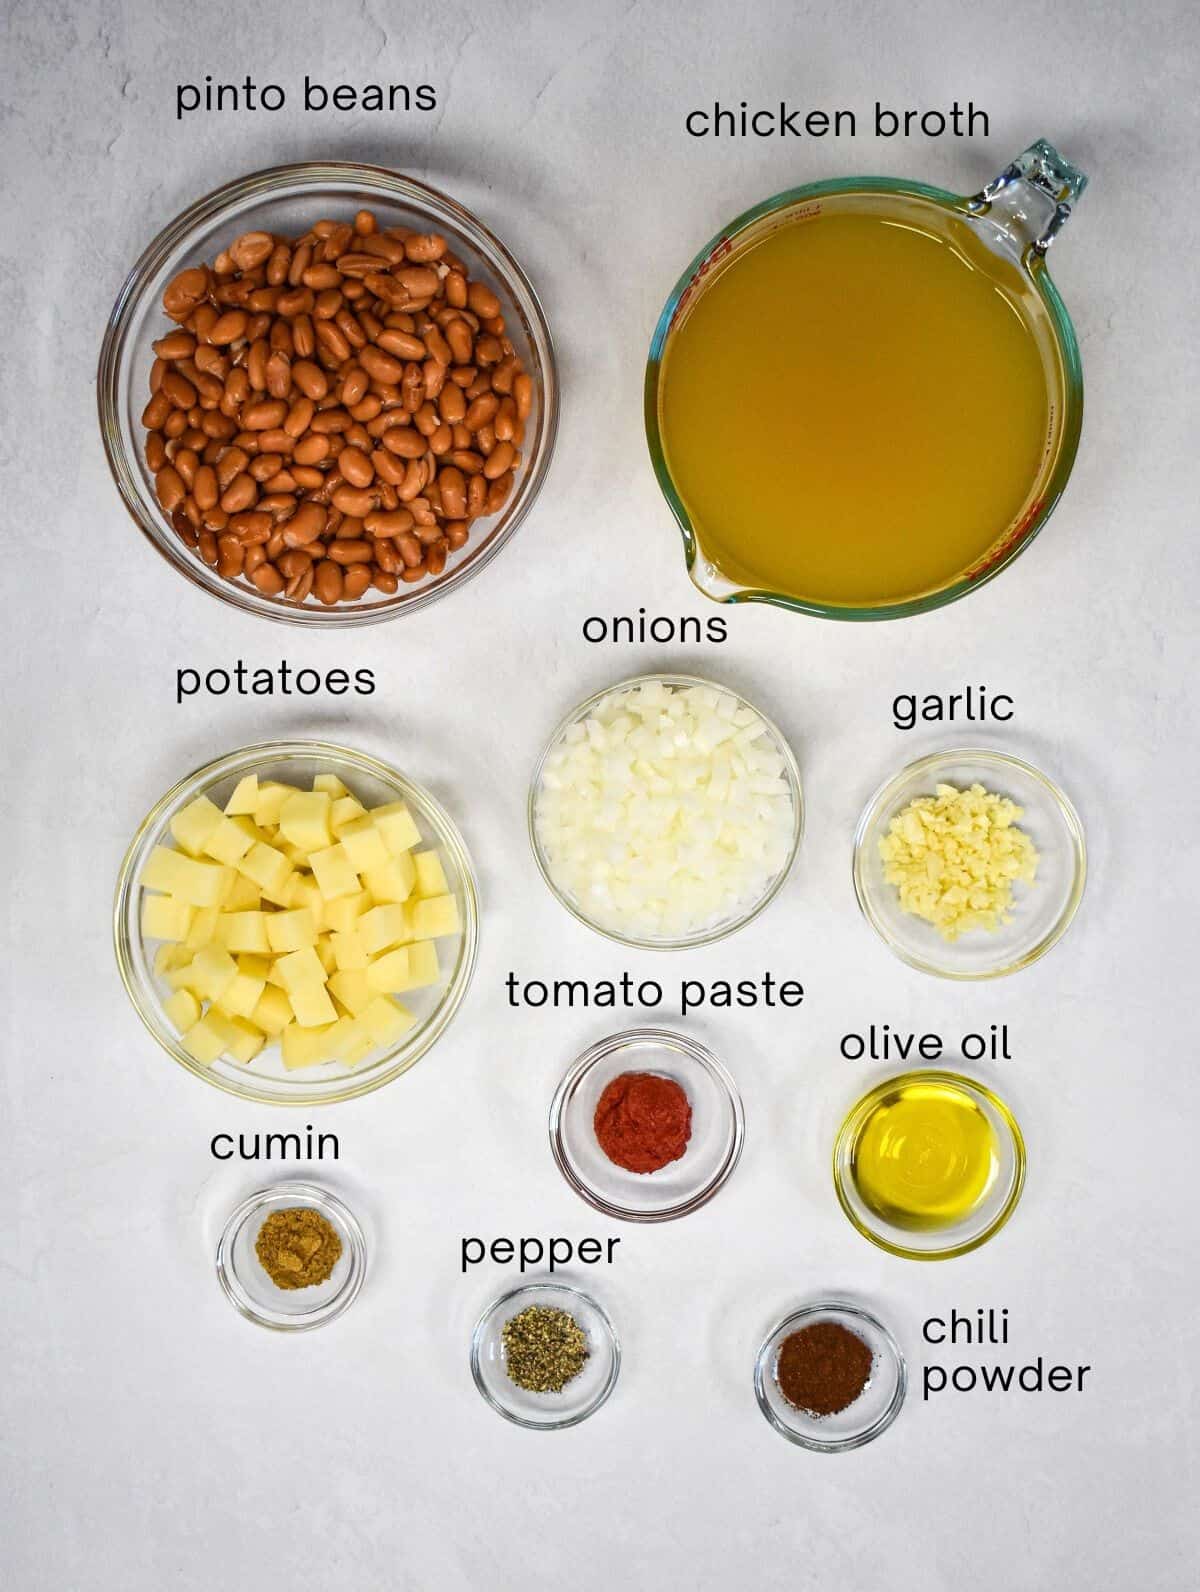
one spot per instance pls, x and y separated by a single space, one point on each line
321 1199
369 180
570 1293
999 760
1068 348
703 936
671 1040
409 1048
764 1369
853 1122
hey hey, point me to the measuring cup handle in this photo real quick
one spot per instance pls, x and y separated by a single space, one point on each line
1038 193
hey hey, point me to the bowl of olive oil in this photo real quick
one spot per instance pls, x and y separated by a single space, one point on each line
929 1165
863 397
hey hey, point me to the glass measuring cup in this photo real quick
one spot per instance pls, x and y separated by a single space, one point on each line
1017 216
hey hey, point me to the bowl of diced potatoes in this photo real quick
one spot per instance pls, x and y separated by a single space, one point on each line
297 922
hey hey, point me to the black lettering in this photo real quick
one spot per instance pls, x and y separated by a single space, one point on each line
393 90
275 90
327 1138
281 1147
468 1259
688 999
532 1252
997 1376
1059 1378
594 619
696 123
426 97
882 119
310 90
345 98
589 1251
216 1139
364 682
929 1384
182 675
217 682
308 690
816 124
904 712
934 1321
717 629
622 628
337 682
613 1242
852 1047
791 993
182 90
503 1251
963 1378
561 1250
263 683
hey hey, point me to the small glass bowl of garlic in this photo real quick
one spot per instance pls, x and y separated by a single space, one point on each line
666 812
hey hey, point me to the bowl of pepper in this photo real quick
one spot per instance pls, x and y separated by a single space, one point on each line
545 1356
830 1377
647 1125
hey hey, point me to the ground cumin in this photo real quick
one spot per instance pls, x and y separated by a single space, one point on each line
823 1368
298 1248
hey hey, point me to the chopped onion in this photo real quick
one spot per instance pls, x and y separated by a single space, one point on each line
667 811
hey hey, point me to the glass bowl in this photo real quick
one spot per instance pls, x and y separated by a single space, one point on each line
265 1079
718 1127
1042 911
723 926
872 1412
582 1396
247 1285
287 200
982 1222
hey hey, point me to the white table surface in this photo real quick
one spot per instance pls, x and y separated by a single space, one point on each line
151 1438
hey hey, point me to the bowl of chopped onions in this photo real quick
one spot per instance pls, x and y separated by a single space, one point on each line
666 812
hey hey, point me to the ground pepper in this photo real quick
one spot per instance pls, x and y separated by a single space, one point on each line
823 1368
298 1248
543 1348
643 1121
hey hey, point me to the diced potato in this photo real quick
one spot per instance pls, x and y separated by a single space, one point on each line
344 913
209 1038
182 975
349 1042
244 798
247 1041
241 997
271 797
203 929
435 917
303 892
325 952
198 883
364 844
182 1009
254 966
193 824
296 855
382 927
273 1012
212 970
289 931
334 873
226 887
394 881
386 1020
169 957
244 931
312 1005
345 810
389 972
228 842
244 895
431 876
351 990
304 1047
349 951
423 968
267 867
248 827
298 968
395 823
304 820
164 918
331 785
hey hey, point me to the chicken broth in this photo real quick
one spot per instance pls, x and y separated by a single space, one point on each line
856 410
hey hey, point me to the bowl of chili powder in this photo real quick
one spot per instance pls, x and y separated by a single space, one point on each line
830 1377
647 1125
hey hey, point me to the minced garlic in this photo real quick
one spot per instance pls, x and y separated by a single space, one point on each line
955 856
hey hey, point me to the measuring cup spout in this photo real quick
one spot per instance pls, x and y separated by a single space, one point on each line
1033 198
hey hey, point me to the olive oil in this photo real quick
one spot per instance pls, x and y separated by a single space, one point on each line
925 1156
857 409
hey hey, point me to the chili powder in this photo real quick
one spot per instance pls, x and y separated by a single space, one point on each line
643 1121
823 1368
